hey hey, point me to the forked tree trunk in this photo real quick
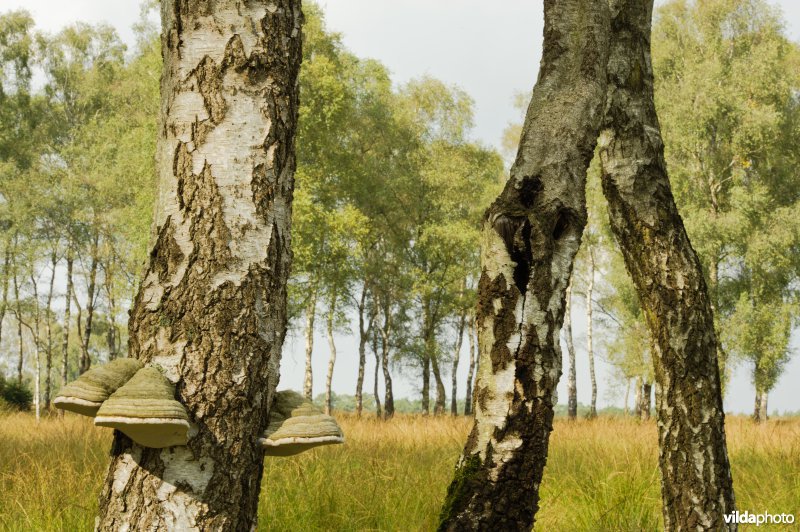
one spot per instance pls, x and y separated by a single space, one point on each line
530 236
441 398
572 378
211 310
468 399
388 397
311 312
589 337
432 358
696 485
456 355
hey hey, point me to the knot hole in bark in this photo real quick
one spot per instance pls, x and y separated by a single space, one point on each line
530 188
516 234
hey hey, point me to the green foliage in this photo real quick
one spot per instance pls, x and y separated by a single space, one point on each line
14 395
727 80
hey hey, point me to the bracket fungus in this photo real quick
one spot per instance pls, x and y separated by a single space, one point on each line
85 394
146 411
296 425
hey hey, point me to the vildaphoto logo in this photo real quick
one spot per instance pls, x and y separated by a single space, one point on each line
765 518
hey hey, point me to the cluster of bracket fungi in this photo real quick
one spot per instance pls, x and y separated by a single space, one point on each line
140 402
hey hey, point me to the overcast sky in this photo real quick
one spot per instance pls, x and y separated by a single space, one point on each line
491 52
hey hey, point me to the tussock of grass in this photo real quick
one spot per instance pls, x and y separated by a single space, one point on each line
601 474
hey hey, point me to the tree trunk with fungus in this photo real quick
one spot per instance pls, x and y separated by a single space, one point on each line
211 310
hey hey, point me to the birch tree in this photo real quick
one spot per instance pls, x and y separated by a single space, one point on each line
211 310
696 485
531 234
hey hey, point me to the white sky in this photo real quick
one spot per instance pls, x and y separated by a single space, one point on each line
489 51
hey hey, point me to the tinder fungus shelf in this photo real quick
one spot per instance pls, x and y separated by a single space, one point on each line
85 395
296 425
146 411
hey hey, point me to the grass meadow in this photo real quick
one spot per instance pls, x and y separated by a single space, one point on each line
601 474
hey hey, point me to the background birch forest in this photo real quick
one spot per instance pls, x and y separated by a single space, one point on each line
389 195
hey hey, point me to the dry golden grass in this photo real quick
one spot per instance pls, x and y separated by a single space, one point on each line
601 475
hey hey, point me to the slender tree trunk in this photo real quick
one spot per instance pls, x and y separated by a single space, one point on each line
589 338
66 323
627 394
637 400
468 398
35 334
647 392
376 352
757 407
311 312
432 357
696 485
388 398
363 336
762 407
111 335
332 358
4 302
48 380
572 378
18 312
86 360
456 355
211 310
530 236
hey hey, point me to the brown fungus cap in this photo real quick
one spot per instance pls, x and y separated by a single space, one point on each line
296 425
85 394
146 411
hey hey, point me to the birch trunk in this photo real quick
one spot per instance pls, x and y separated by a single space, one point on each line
66 323
647 392
456 355
696 484
530 236
86 360
211 310
18 313
378 410
332 357
388 397
48 380
757 407
762 407
468 400
4 302
111 335
589 337
311 312
572 378
363 334
627 395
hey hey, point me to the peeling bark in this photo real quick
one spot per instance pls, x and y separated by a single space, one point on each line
530 236
211 310
572 378
696 484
